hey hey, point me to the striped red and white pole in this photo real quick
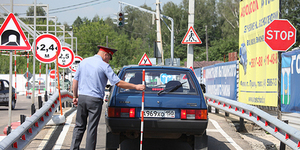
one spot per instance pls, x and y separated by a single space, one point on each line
15 74
50 78
40 70
142 113
15 55
27 89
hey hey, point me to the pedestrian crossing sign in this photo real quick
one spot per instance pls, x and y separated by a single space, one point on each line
191 37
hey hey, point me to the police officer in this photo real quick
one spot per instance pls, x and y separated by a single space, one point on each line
88 92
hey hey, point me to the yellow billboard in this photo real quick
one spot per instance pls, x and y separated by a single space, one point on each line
258 68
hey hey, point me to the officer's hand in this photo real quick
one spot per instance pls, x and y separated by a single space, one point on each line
140 87
75 101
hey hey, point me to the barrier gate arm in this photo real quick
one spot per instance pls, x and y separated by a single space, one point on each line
282 131
22 135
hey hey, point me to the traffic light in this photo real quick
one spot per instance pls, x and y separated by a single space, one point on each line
120 19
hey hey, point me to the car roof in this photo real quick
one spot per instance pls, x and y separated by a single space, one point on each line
155 67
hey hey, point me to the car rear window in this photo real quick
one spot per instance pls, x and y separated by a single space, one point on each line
165 80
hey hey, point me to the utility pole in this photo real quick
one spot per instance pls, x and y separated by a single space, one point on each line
160 55
10 82
190 47
106 41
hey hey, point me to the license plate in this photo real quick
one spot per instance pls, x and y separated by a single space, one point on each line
159 113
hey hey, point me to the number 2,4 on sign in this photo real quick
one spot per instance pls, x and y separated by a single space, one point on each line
44 50
46 47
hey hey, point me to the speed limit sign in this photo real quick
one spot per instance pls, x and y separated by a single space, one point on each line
66 57
75 64
46 47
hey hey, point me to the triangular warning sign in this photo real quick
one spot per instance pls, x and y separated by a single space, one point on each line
192 69
191 37
11 35
145 61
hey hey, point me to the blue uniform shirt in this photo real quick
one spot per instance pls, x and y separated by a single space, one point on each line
92 74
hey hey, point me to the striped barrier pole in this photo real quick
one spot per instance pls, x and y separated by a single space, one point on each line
16 55
40 70
27 89
15 75
50 79
142 117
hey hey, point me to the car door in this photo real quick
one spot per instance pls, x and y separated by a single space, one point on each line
2 94
6 90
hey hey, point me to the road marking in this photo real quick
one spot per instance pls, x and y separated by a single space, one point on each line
64 132
46 138
229 139
211 130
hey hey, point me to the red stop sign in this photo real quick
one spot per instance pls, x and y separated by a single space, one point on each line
52 74
280 35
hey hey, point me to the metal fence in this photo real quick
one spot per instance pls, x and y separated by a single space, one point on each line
22 135
282 131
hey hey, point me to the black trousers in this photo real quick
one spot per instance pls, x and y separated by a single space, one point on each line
88 107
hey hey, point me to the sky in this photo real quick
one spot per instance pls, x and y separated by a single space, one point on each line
67 11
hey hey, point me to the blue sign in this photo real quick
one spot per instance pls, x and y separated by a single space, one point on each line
220 79
290 82
164 78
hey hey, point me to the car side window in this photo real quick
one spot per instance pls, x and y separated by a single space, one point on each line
6 85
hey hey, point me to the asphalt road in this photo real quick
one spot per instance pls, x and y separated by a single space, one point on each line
220 136
23 107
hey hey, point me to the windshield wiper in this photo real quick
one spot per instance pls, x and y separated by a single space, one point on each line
174 88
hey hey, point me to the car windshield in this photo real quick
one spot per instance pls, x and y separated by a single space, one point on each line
161 81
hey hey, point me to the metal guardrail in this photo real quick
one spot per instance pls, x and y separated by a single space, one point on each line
282 131
20 137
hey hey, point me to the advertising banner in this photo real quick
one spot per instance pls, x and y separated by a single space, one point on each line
290 82
220 79
258 69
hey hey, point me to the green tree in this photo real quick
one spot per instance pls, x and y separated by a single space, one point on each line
140 27
39 12
290 10
179 16
77 23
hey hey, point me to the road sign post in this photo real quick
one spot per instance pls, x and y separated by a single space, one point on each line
280 35
12 38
